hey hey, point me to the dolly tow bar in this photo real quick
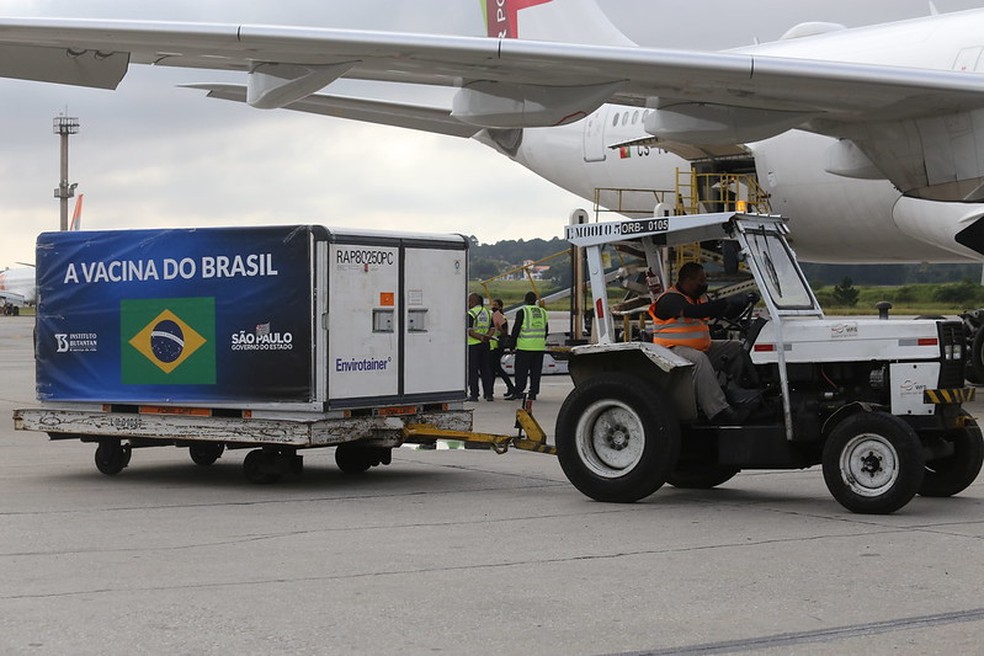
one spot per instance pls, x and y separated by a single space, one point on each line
534 440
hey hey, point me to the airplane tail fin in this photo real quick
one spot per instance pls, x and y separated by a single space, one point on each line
570 21
76 223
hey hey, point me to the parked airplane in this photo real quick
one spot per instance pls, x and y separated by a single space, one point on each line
17 288
17 284
871 139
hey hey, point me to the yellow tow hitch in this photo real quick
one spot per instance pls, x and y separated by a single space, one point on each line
530 436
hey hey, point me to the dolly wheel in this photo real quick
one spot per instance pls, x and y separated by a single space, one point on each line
205 454
260 467
353 459
112 457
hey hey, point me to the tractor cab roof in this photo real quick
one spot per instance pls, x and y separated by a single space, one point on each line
673 230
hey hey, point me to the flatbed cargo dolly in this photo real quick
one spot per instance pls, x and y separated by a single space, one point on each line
278 339
360 442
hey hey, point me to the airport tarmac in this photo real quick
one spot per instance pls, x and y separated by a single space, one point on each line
459 552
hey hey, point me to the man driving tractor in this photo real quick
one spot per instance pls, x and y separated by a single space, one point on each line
680 317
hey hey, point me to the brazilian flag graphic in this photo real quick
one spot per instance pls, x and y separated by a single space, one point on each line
168 341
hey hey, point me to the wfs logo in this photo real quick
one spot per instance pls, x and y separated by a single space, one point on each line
168 341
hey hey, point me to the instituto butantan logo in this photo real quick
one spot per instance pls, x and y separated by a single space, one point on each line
168 341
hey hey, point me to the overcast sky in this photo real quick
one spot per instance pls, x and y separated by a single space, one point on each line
151 154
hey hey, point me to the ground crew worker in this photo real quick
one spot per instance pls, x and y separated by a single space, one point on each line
680 317
480 331
530 338
498 345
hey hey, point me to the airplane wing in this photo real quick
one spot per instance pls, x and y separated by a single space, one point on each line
417 115
503 82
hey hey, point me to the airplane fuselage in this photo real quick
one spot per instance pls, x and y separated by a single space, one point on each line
833 219
853 215
17 286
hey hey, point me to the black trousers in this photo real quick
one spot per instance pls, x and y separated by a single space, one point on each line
528 364
479 368
495 357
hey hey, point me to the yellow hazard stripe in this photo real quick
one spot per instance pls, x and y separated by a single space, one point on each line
949 396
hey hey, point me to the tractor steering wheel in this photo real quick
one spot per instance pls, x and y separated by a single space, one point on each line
739 323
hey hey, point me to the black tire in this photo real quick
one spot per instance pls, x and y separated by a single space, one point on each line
112 457
204 454
352 459
618 438
355 459
700 475
258 467
954 473
873 463
975 359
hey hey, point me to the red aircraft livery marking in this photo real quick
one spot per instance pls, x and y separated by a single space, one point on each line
501 16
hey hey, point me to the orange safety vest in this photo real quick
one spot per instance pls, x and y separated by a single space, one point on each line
680 331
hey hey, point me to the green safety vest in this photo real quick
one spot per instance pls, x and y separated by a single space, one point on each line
533 334
481 320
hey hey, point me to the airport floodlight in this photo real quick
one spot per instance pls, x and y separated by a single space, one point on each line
64 126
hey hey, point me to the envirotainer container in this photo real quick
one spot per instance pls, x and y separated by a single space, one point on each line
283 337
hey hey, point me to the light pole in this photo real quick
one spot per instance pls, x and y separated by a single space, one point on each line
65 126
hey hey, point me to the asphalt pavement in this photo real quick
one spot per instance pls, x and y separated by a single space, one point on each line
458 551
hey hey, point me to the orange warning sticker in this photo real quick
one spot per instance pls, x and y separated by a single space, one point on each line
387 299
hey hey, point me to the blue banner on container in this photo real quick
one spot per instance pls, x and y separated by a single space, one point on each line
175 316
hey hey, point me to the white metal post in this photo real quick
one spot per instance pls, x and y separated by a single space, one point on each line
599 293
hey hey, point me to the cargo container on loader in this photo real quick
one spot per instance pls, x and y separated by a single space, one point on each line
275 338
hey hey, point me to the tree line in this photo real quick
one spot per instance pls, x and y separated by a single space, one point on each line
487 260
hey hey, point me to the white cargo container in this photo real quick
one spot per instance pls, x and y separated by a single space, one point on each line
281 338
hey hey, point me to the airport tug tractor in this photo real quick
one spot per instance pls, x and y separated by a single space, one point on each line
876 402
